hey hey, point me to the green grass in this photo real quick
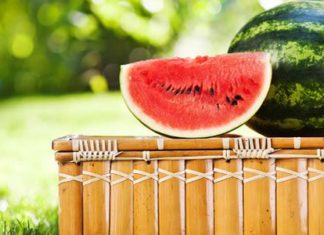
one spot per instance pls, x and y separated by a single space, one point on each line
28 217
28 172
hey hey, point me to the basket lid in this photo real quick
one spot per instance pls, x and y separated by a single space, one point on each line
94 148
75 143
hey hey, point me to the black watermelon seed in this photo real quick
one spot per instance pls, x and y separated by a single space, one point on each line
168 88
197 89
234 102
188 90
228 99
211 91
238 97
177 91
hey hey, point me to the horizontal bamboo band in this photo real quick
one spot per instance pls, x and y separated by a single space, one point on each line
95 143
194 176
189 155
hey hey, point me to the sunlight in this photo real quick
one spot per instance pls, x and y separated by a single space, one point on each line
153 6
267 4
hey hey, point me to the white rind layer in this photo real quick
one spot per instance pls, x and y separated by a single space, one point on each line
198 133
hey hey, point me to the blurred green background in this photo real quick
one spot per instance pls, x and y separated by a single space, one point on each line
59 75
57 47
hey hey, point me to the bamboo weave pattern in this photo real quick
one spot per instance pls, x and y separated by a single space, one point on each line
197 176
90 150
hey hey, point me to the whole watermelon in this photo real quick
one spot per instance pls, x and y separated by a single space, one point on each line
293 33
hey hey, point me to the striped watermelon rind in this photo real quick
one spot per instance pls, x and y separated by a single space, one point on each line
293 34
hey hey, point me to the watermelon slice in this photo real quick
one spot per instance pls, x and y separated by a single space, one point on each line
200 97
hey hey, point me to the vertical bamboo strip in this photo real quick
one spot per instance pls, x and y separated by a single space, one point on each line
121 199
228 199
199 200
292 199
259 199
70 204
172 199
145 199
96 198
315 198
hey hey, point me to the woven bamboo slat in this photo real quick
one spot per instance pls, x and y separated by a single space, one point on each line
228 198
172 198
145 198
315 197
70 196
130 185
292 201
199 199
259 198
96 198
121 213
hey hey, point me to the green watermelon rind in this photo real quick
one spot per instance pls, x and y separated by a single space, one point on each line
200 133
293 34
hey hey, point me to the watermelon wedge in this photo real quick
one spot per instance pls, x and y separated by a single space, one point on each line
200 97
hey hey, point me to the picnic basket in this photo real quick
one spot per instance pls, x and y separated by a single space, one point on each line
225 185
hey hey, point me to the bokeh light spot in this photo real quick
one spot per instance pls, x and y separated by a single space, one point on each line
217 8
98 1
22 46
91 59
158 30
3 205
138 54
98 83
57 42
132 23
266 4
153 6
85 24
48 14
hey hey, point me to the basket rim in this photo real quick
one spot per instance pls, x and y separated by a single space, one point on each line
70 143
78 148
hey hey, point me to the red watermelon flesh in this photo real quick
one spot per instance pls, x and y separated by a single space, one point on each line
200 97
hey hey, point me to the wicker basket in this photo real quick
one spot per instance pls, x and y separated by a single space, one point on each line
153 185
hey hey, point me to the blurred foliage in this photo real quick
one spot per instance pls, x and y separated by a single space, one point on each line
56 46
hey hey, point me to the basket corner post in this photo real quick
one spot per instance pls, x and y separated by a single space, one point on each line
70 199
